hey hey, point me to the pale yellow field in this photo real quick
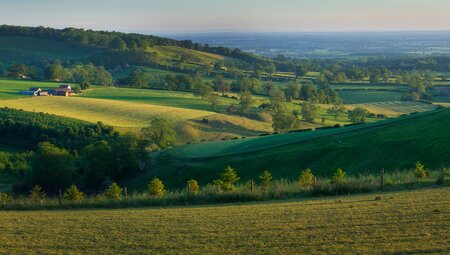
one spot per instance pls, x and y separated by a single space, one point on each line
112 112
395 108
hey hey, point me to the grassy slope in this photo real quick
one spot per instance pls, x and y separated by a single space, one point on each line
131 109
113 112
410 222
392 144
157 97
28 49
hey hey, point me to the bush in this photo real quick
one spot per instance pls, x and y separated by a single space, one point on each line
156 188
4 198
114 191
265 180
227 179
193 187
37 195
338 177
73 194
421 172
306 179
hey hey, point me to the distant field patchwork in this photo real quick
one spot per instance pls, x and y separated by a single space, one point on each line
368 96
392 109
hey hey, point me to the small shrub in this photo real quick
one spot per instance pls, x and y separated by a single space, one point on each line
114 191
421 172
306 179
338 177
441 178
265 180
227 179
37 194
193 187
5 199
156 188
73 194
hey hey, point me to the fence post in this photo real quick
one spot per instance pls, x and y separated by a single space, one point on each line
315 182
60 198
187 193
126 192
252 183
382 178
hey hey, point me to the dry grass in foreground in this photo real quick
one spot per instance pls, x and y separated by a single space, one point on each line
413 222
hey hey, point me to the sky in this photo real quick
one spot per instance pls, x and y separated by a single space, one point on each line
185 16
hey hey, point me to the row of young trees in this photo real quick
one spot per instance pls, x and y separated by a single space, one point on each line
307 182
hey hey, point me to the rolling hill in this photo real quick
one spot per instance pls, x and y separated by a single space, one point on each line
391 144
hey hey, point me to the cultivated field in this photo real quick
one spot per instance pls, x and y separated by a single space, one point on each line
409 222
368 96
395 108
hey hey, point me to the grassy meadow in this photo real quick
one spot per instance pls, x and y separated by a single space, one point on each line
393 144
407 222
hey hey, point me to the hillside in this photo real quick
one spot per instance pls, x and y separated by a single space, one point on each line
408 222
31 50
391 144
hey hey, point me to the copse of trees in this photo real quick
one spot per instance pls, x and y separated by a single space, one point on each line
16 70
27 129
52 168
159 134
358 114
56 71
78 73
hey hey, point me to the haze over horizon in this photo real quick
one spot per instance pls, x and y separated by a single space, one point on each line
179 16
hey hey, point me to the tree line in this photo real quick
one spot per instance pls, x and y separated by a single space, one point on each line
56 71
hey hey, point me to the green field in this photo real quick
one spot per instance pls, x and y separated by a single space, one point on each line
10 89
391 144
156 97
412 222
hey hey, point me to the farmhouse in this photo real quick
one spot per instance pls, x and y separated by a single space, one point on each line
62 90
31 91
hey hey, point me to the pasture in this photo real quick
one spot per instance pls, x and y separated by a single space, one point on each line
387 223
156 97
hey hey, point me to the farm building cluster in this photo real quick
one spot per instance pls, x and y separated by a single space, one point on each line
62 90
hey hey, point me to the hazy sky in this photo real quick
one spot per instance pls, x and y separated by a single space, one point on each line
230 15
